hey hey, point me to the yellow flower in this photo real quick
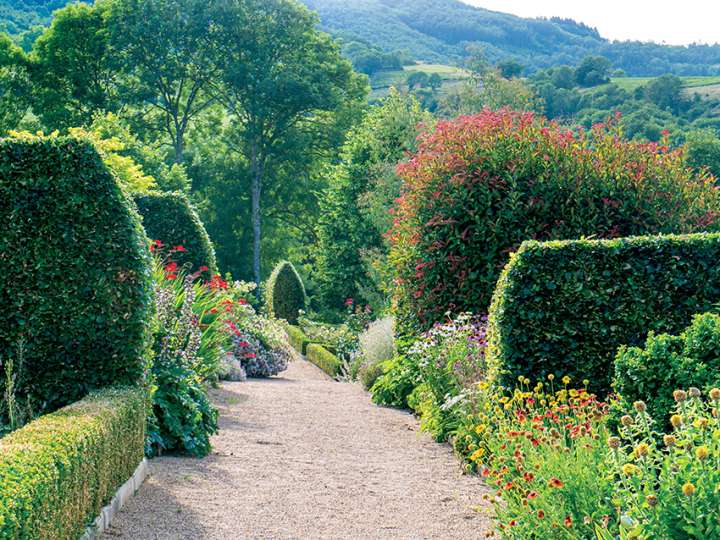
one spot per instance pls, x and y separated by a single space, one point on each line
676 420
702 452
551 377
480 428
688 489
477 454
715 394
641 450
566 380
629 469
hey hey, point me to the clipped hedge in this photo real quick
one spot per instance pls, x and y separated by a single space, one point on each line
76 288
565 307
57 472
285 293
171 218
324 359
297 338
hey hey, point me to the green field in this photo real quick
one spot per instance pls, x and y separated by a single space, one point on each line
385 79
631 83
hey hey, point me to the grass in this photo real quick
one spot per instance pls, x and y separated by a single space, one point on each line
631 83
386 79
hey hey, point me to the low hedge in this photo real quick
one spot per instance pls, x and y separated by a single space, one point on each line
57 472
565 307
298 340
76 288
324 359
172 219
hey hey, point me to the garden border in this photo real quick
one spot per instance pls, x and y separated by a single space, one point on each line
121 497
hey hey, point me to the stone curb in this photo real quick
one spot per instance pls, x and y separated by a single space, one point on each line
122 496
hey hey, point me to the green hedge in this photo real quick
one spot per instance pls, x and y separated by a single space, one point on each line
324 359
285 293
565 307
171 218
57 472
76 287
298 339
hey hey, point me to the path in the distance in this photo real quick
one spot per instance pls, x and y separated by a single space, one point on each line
302 456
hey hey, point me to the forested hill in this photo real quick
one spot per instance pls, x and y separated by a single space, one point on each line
444 30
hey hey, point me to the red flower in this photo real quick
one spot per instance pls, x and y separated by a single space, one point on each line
251 355
171 267
541 513
180 248
171 276
244 344
556 483
568 521
203 269
242 302
155 244
532 495
349 302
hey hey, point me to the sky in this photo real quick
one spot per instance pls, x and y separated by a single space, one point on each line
676 22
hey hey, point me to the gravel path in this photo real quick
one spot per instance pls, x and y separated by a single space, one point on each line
302 456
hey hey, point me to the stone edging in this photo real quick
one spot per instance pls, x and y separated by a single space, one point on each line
122 496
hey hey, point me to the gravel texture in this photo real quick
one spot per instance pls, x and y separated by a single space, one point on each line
302 456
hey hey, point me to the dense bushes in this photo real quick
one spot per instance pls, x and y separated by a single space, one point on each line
667 362
297 338
170 218
75 287
57 472
481 185
564 307
324 359
285 293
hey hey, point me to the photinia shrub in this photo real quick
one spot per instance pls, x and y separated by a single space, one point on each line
481 185
76 285
171 219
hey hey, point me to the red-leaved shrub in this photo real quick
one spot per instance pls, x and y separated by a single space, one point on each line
480 185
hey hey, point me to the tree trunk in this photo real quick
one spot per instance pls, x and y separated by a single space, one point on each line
257 171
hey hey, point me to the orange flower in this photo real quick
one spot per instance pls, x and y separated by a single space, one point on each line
556 483
541 514
568 521
532 495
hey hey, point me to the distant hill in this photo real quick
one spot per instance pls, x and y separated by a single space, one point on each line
442 31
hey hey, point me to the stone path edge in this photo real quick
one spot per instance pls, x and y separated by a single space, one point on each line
121 497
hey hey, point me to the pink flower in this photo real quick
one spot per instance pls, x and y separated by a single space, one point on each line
349 302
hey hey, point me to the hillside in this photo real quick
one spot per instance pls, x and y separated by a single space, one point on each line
440 31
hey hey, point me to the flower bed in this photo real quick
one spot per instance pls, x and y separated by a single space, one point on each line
57 472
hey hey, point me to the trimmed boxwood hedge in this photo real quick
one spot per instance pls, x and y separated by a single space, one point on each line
298 340
171 218
565 307
57 472
324 359
76 287
285 293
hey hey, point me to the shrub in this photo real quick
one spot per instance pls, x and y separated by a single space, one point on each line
340 339
297 338
285 293
667 362
256 359
392 388
324 359
57 472
76 287
565 307
171 218
481 185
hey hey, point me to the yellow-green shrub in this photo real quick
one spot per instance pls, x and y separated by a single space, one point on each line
324 359
57 472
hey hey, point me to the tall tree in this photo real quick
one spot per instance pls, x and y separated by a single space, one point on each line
14 85
280 76
163 47
73 70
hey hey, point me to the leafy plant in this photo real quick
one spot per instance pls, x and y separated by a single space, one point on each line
285 293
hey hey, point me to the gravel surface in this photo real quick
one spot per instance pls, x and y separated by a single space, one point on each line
302 456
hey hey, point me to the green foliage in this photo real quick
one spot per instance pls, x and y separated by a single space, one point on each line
324 359
285 293
297 338
355 208
14 85
703 151
668 362
171 218
564 308
400 377
72 240
481 185
57 472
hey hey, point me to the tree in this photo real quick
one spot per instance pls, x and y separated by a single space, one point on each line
163 47
510 69
417 78
665 92
703 151
73 71
14 85
280 75
593 71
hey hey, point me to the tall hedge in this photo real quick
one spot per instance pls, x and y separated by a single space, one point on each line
57 472
481 185
285 293
565 307
76 289
171 218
